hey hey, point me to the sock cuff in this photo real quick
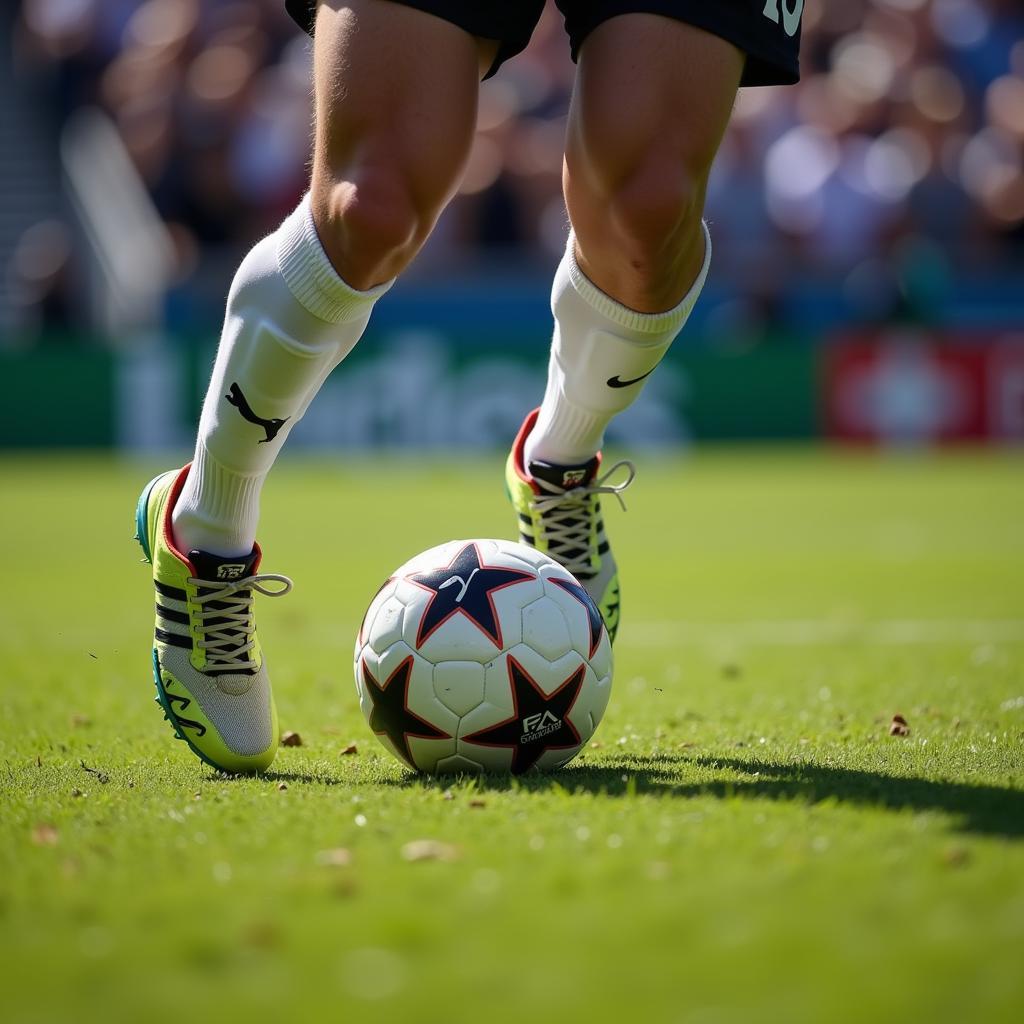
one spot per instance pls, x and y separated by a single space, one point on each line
311 277
647 323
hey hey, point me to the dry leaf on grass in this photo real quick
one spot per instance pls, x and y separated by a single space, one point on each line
262 935
350 749
429 849
898 726
339 857
956 856
45 835
291 739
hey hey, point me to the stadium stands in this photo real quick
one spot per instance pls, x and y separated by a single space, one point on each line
897 159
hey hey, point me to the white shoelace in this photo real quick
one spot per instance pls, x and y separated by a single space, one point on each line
565 516
228 640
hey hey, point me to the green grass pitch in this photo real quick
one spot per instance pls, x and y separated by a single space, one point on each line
744 841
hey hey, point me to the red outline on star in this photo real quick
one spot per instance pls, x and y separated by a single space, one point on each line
369 680
571 587
495 638
576 677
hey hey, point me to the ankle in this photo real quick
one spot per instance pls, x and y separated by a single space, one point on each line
217 510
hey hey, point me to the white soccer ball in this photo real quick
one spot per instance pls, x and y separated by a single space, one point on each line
483 655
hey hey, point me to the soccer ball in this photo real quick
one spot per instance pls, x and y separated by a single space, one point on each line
483 655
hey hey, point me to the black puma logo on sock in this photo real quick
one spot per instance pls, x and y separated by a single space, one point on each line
238 400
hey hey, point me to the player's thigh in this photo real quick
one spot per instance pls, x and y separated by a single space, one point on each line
395 97
653 97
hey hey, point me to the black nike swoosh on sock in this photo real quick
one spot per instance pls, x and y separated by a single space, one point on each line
617 382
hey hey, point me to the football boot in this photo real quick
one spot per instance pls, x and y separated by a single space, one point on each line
210 672
559 509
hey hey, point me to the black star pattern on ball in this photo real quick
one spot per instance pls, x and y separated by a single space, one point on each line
539 721
391 715
465 586
593 615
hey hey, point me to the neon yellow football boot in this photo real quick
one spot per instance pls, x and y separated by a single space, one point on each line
210 673
559 511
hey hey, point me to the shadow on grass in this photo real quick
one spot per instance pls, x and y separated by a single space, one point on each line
983 809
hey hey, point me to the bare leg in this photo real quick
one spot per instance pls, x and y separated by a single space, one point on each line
652 100
396 94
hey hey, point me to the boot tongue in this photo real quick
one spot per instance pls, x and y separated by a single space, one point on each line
221 569
565 477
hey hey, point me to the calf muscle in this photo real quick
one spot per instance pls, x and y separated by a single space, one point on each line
651 104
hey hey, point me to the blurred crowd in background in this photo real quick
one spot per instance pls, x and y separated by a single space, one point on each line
902 147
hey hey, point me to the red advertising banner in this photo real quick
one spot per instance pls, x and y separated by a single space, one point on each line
1006 390
908 386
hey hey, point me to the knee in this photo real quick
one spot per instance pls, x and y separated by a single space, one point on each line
370 224
655 208
638 228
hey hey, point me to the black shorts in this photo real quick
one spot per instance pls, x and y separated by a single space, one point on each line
767 31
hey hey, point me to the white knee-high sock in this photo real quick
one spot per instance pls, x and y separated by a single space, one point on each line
601 353
290 320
